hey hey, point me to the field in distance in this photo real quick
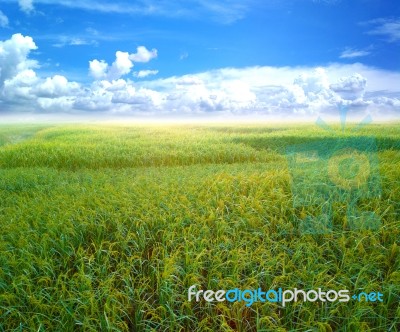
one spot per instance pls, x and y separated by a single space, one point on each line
105 227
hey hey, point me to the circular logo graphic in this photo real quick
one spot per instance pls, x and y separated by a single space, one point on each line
349 168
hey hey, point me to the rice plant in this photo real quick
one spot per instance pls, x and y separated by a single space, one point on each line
105 227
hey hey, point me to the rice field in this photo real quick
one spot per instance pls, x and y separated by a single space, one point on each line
104 227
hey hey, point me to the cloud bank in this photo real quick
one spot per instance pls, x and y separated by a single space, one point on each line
282 91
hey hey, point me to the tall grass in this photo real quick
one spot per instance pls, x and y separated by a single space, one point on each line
105 227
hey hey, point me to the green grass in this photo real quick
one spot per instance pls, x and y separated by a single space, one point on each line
105 227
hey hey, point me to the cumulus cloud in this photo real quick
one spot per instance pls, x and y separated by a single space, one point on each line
272 90
122 65
313 83
26 5
254 90
98 69
56 86
14 56
146 99
19 83
118 96
143 54
3 20
351 87
18 89
188 80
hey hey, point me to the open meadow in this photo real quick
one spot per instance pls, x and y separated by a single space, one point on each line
104 227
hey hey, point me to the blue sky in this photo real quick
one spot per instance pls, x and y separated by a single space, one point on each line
200 56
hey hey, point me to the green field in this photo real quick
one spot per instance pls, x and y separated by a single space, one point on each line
105 227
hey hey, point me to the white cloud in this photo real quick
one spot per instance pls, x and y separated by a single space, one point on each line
56 104
26 5
18 89
188 80
73 41
350 53
3 20
98 69
146 99
226 11
14 56
314 82
389 28
351 87
56 86
79 41
223 11
143 54
122 65
19 83
251 91
274 90
184 56
145 73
